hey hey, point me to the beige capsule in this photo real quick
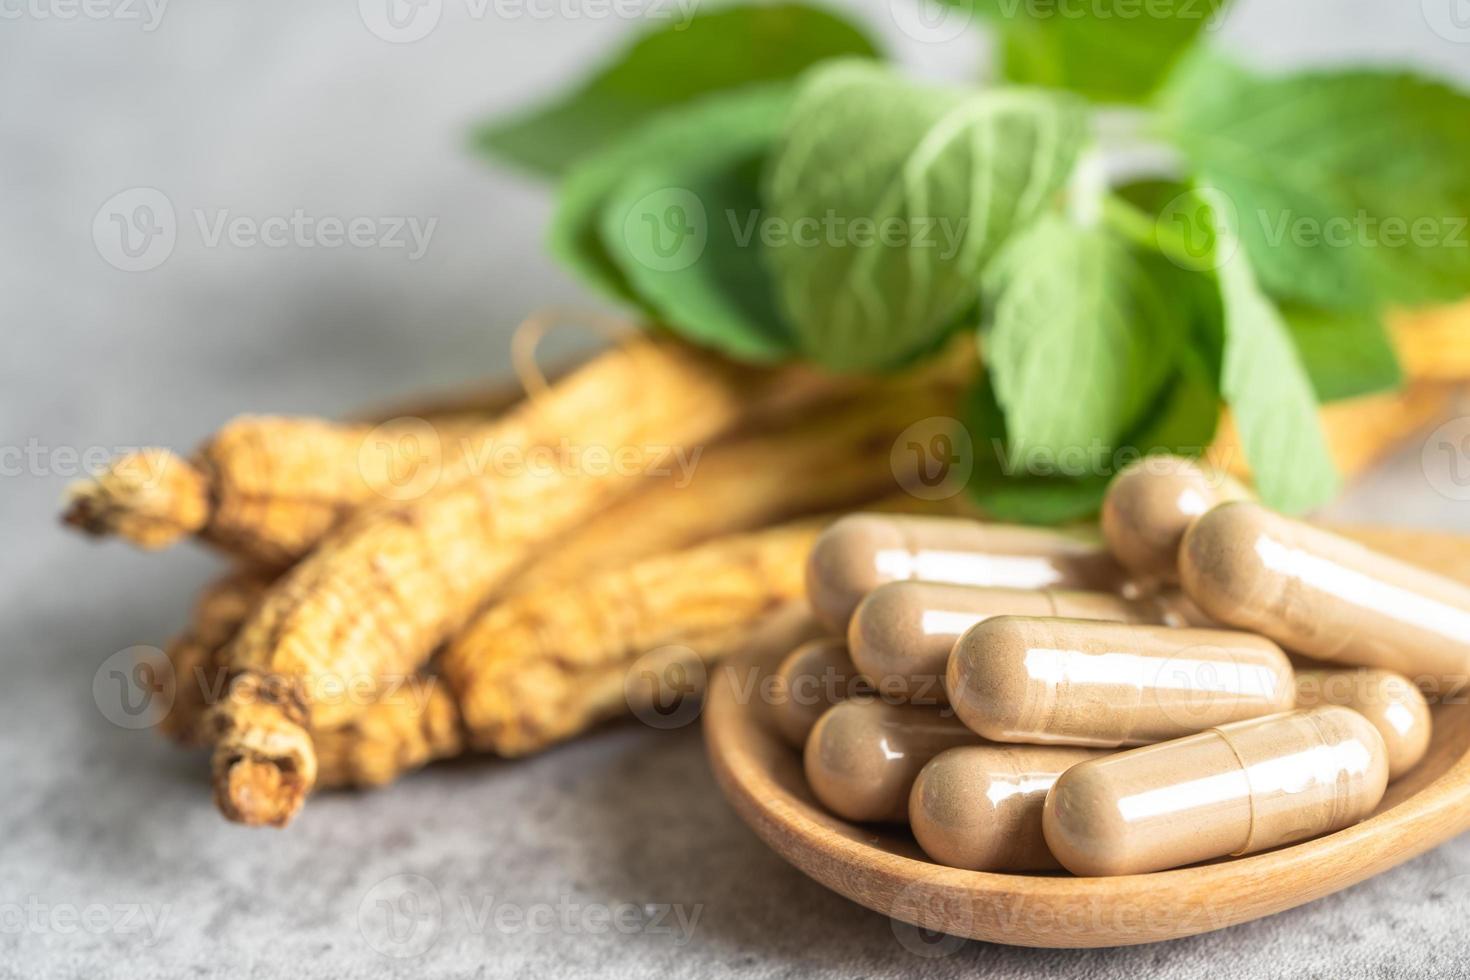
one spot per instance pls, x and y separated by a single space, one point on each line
978 807
860 552
812 678
1151 503
902 634
1390 702
1326 597
1077 682
862 756
1232 790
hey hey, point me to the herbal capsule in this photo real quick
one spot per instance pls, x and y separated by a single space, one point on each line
1151 503
1232 790
862 551
979 806
1390 702
1075 682
1324 596
862 756
902 633
812 678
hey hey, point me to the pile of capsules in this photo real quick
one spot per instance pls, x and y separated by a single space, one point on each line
991 675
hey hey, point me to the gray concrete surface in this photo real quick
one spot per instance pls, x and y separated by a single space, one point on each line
112 860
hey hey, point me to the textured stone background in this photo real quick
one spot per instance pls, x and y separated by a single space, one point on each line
266 107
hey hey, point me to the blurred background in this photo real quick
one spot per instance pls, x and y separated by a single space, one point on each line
237 125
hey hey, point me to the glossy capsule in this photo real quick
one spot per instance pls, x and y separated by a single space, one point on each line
812 678
862 756
979 807
1075 682
1232 790
1390 702
1326 597
1151 503
862 551
902 634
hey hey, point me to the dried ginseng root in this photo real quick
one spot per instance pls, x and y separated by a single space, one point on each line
833 459
381 592
544 666
266 488
195 654
404 729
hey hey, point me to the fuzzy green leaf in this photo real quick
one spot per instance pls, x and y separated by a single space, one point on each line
1108 50
685 236
895 195
707 133
1085 332
1264 383
1350 188
1345 353
680 61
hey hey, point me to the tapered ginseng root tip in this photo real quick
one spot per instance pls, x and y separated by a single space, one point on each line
264 759
258 793
151 497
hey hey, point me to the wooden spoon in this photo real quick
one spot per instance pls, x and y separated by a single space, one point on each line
883 869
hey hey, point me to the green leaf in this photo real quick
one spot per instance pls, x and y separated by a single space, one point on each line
1264 383
1351 187
679 61
696 136
1044 488
1346 354
1086 329
685 236
895 195
1107 50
